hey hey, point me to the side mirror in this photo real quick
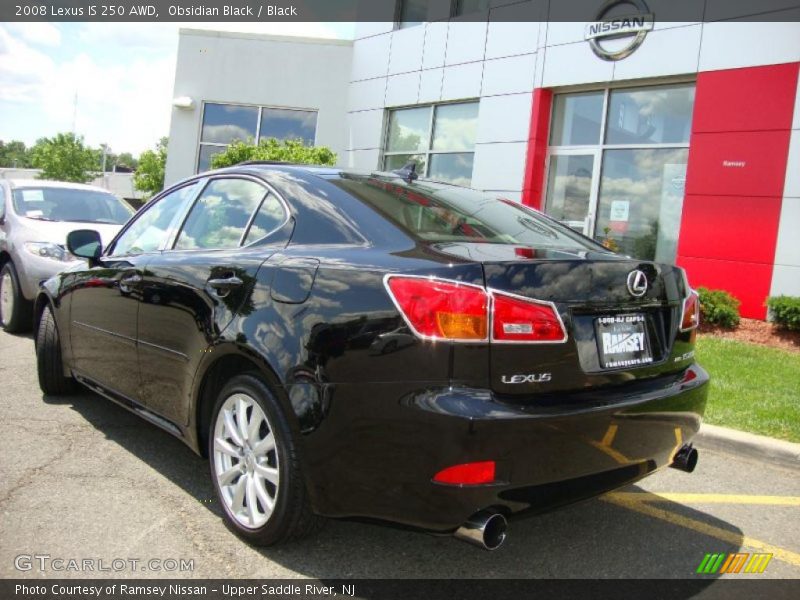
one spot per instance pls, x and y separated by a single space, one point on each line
85 243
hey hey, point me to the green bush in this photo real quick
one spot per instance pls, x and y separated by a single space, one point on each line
292 151
718 307
785 311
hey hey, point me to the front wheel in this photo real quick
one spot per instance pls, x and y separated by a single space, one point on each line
15 310
255 467
48 357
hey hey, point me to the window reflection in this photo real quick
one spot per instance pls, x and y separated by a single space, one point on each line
577 119
641 201
289 125
661 115
223 123
226 123
439 139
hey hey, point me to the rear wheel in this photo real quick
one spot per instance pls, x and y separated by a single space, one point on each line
48 357
15 310
255 467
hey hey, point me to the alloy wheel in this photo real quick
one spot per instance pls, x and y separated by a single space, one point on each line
245 461
6 297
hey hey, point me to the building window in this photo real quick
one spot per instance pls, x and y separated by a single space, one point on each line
617 166
411 13
465 7
224 123
439 139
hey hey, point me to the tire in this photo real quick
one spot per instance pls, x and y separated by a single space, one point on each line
15 311
259 469
48 358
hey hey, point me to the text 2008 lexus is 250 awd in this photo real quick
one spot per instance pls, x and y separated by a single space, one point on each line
376 346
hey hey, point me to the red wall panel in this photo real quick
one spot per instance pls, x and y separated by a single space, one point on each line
733 228
749 282
538 137
751 163
750 99
735 179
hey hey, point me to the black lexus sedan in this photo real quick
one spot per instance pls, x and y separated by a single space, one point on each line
376 346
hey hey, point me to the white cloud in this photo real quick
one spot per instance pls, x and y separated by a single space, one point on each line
41 34
122 73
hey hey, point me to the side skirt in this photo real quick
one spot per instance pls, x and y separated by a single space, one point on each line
132 405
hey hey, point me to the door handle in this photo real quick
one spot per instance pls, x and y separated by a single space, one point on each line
225 284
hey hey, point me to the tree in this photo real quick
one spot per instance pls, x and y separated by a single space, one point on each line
149 175
293 151
14 154
64 157
126 159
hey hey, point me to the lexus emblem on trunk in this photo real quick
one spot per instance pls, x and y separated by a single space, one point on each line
637 283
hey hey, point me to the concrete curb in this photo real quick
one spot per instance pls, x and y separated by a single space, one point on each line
759 447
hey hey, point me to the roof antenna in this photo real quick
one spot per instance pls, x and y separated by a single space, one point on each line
408 172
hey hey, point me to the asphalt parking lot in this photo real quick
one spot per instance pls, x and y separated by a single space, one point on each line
83 478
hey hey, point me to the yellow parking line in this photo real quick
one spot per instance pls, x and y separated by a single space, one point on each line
724 535
611 433
707 498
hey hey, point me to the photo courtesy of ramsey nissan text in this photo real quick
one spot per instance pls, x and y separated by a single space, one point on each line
394 298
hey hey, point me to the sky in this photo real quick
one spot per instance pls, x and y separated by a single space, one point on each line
122 75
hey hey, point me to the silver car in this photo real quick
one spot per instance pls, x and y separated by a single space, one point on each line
35 218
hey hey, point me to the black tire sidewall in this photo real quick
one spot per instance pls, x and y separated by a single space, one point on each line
279 525
49 356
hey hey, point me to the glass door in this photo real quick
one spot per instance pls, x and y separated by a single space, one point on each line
572 188
617 166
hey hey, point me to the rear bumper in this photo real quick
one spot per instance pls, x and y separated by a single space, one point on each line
388 446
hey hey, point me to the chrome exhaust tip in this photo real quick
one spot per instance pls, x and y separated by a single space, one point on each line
685 459
484 529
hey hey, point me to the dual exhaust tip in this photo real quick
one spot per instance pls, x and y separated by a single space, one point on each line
487 529
484 529
685 459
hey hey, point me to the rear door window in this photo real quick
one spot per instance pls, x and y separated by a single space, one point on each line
221 214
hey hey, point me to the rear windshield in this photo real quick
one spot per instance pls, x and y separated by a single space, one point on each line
454 214
66 204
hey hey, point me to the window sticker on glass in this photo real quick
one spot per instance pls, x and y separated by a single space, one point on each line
34 214
620 209
32 196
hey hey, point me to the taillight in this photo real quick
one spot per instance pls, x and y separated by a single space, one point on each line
475 473
442 310
516 319
690 318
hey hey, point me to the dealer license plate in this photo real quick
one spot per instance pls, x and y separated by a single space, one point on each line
622 341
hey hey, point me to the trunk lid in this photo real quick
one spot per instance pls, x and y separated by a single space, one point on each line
613 335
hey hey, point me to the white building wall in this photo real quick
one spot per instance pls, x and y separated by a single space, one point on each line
261 70
447 61
500 62
786 272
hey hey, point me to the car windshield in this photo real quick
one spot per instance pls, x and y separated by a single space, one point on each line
70 204
441 213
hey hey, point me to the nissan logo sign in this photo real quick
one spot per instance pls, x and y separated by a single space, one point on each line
637 283
624 33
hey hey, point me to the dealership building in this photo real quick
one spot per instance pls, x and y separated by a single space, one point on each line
677 141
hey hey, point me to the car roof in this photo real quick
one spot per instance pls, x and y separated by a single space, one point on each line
327 172
46 183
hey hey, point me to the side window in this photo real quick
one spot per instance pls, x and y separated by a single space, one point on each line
269 217
220 215
150 229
